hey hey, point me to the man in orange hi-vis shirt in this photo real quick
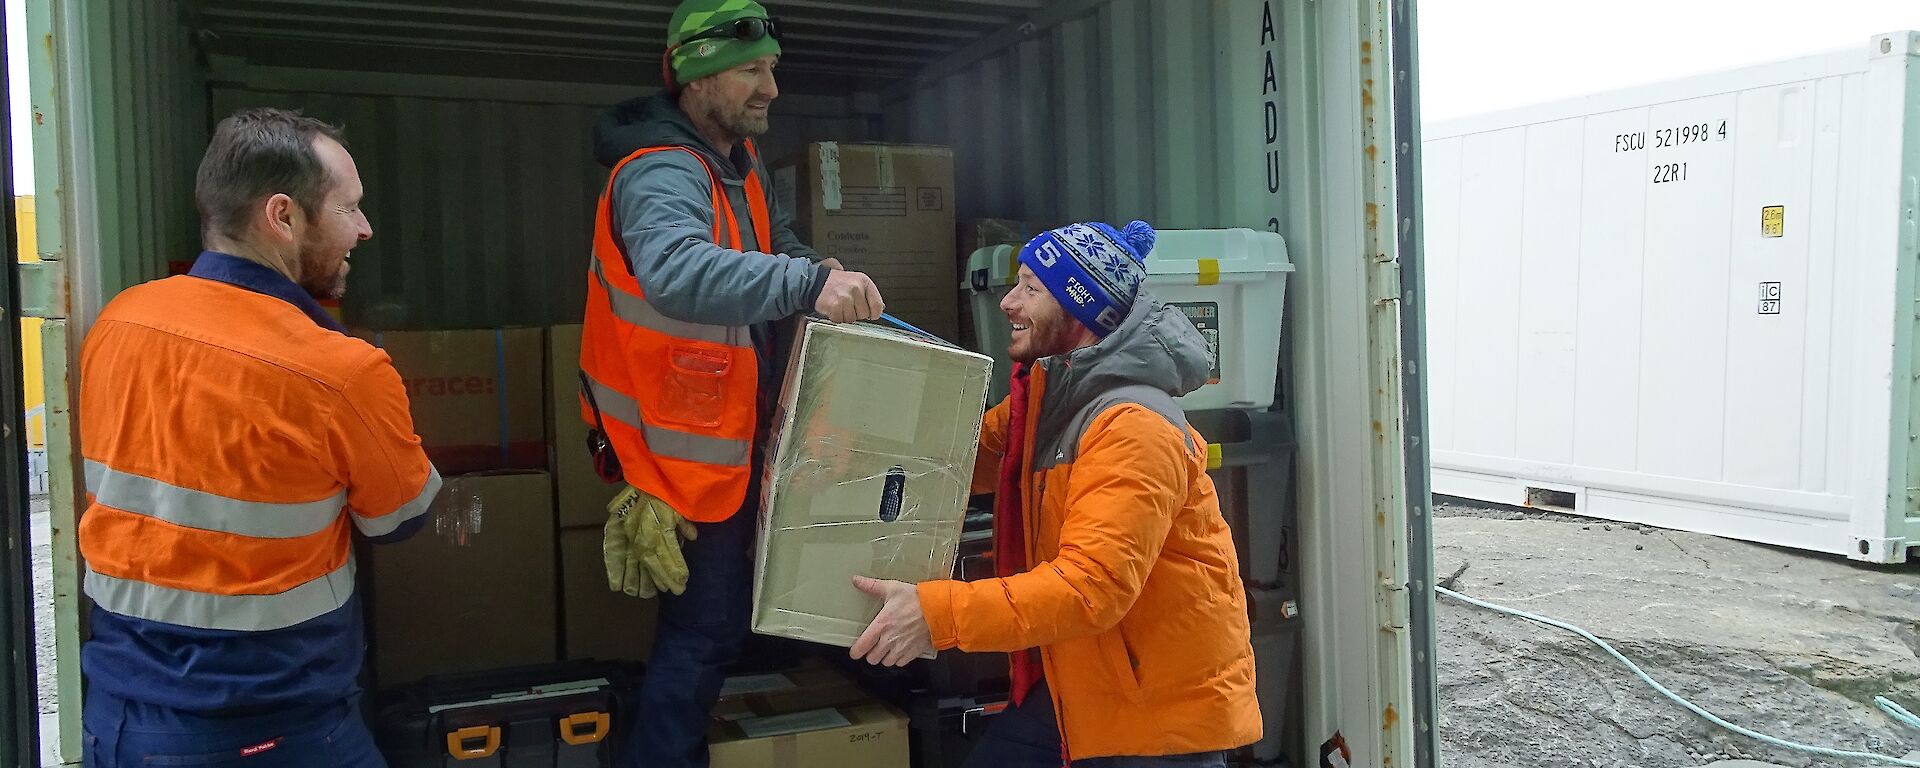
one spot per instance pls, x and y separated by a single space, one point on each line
236 441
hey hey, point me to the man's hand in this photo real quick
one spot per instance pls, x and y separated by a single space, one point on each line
831 263
899 634
849 296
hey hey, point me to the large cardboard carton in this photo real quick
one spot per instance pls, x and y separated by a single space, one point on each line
886 210
474 589
600 623
810 718
871 465
580 496
478 397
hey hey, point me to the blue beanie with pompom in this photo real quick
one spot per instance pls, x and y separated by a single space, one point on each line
1092 269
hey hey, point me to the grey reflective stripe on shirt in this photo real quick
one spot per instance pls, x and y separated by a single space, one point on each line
207 511
390 522
241 613
635 310
670 443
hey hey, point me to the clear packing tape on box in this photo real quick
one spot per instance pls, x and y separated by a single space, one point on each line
868 474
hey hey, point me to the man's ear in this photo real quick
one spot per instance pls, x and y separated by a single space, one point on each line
278 216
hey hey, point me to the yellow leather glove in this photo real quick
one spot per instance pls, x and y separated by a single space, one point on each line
614 548
645 534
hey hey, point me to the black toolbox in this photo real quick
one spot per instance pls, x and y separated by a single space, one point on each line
564 715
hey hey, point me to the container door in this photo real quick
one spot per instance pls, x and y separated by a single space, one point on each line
1416 457
19 719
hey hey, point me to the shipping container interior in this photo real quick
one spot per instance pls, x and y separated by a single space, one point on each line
471 124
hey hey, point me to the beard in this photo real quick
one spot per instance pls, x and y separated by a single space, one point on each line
322 275
740 121
1044 338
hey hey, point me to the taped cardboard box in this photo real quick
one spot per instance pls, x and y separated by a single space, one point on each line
478 397
886 210
822 721
600 623
474 589
580 496
869 473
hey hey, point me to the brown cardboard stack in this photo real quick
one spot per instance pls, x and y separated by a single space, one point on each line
600 623
886 210
813 717
870 468
474 589
581 497
478 397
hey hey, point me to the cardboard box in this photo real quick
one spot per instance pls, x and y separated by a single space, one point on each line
809 686
474 589
824 722
871 465
600 623
478 397
580 496
886 210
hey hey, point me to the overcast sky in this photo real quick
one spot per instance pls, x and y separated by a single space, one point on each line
1484 55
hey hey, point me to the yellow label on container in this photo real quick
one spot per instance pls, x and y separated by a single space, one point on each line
1773 221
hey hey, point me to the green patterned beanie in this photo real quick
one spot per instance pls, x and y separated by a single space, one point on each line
712 55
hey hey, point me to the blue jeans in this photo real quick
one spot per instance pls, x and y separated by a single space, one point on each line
1027 736
126 733
700 633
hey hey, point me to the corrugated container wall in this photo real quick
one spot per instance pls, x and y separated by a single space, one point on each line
481 202
147 102
1079 122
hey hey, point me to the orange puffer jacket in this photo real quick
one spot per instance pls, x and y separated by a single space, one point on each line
1134 596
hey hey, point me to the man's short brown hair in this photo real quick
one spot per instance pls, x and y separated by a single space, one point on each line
255 154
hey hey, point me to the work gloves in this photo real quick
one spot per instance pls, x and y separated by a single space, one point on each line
641 545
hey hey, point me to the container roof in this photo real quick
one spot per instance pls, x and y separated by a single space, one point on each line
833 44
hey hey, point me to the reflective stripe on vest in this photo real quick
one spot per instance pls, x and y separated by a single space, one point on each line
636 311
189 508
241 613
670 443
390 522
209 512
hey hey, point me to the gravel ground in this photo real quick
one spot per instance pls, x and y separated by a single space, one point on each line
1787 643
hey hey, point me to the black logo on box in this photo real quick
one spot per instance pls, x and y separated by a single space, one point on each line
932 198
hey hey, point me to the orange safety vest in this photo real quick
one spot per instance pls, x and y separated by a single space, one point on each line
676 401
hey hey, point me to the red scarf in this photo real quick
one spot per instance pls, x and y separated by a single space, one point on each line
1010 524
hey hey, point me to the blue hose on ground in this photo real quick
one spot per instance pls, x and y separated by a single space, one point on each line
1709 716
1898 712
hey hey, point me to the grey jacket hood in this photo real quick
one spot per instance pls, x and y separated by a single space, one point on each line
1156 346
654 121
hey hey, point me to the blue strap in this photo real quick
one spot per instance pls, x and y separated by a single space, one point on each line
908 327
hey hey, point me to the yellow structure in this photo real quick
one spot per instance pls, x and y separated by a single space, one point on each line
36 393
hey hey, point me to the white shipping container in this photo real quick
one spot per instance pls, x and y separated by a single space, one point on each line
1690 304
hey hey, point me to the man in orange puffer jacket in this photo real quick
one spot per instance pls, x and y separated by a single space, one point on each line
1118 595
